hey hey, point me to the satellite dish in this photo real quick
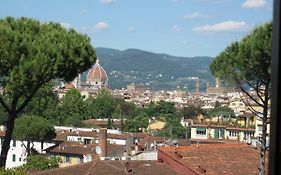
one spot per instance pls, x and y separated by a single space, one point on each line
98 150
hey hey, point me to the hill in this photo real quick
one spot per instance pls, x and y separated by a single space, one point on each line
157 71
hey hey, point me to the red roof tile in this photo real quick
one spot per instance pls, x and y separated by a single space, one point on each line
214 159
112 168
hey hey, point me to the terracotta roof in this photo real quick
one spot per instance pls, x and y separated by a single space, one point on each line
62 135
97 73
98 167
214 159
150 139
76 148
69 147
69 85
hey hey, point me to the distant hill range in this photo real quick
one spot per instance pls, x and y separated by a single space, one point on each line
157 71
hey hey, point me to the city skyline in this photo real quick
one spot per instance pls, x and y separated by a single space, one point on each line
175 27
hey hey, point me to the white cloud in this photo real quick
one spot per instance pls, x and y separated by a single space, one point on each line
131 29
65 25
195 15
176 28
107 1
101 26
226 26
254 4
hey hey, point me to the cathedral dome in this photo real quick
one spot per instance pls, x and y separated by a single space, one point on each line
97 75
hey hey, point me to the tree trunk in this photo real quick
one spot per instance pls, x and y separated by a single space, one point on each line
28 148
263 137
7 139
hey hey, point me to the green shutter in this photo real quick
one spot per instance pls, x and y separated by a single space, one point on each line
216 133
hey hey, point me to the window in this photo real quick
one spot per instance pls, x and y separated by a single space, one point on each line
233 133
14 143
200 131
87 141
259 128
14 158
67 159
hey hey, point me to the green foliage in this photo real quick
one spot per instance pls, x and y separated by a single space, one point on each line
12 171
217 104
103 106
223 111
137 123
109 123
41 162
44 103
72 108
73 120
31 55
3 116
247 61
191 111
123 109
33 128
173 127
161 108
247 64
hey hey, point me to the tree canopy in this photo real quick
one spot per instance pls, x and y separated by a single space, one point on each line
32 54
247 65
32 128
103 105
222 111
41 162
44 103
72 108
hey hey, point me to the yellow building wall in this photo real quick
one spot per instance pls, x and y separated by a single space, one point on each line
73 160
156 125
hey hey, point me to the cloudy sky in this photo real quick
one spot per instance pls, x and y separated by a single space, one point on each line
176 27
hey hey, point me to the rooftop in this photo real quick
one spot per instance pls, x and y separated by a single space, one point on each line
112 168
214 159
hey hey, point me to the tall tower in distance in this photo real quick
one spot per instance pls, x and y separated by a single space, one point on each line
218 83
197 86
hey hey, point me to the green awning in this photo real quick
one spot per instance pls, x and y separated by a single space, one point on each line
201 129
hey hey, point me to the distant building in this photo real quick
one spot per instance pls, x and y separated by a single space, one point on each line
96 79
17 153
218 89
135 87
205 132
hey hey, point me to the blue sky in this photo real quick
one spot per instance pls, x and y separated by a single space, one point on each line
176 27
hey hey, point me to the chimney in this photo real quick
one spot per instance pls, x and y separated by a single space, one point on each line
136 148
103 141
